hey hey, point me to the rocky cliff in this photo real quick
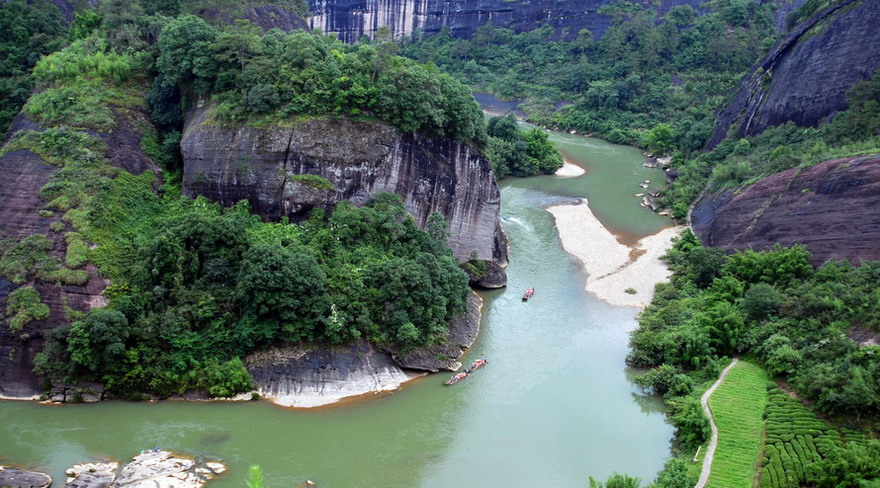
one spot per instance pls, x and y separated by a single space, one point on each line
805 76
832 208
23 213
359 160
299 376
351 19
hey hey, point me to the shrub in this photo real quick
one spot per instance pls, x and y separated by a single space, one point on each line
23 306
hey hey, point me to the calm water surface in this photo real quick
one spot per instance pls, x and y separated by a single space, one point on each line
554 406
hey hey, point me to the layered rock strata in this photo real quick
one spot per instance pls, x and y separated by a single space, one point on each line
359 160
805 76
351 19
832 208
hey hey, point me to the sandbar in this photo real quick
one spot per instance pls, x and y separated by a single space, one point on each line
613 268
570 170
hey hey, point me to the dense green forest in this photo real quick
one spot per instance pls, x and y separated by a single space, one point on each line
194 286
649 81
656 83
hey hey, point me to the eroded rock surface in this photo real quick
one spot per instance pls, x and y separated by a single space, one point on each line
164 469
805 76
91 475
296 376
359 160
351 19
832 208
16 478
463 332
24 174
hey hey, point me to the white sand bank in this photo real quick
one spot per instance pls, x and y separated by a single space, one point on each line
569 169
609 263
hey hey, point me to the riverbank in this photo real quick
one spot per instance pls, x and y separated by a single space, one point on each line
618 274
570 170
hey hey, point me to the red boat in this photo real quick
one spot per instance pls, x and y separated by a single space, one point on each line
479 363
528 294
456 378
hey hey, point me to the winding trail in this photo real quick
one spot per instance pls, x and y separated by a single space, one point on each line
713 442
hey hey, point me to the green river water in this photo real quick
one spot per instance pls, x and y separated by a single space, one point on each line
555 404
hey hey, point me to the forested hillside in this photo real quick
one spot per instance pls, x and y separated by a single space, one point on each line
194 287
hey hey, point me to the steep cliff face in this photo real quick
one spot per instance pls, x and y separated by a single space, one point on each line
359 160
24 174
832 208
351 19
804 78
275 17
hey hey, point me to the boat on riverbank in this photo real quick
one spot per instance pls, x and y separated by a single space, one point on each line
528 294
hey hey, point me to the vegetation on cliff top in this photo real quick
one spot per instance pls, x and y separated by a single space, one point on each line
274 75
196 287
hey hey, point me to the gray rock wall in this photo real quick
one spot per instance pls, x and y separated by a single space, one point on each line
805 77
359 159
351 19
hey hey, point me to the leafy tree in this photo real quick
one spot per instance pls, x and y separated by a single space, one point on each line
616 480
659 140
283 286
23 306
692 425
504 127
98 343
760 301
853 466
186 53
674 475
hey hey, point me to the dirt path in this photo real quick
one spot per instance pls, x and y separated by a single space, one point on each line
713 442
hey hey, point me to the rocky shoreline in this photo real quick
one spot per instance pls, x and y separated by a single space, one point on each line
152 468
314 376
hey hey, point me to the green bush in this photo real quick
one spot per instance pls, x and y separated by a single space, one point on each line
23 306
77 250
314 181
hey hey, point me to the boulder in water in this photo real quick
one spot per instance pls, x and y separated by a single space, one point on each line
91 475
23 479
164 469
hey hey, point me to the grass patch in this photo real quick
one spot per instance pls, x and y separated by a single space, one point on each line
314 181
738 406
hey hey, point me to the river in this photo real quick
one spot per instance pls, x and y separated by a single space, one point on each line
555 404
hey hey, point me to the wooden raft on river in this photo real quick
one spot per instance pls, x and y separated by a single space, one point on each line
479 363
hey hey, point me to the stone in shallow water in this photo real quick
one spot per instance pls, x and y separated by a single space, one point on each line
162 469
17 478
91 475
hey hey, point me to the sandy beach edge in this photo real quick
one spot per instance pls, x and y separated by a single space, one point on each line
570 170
608 263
